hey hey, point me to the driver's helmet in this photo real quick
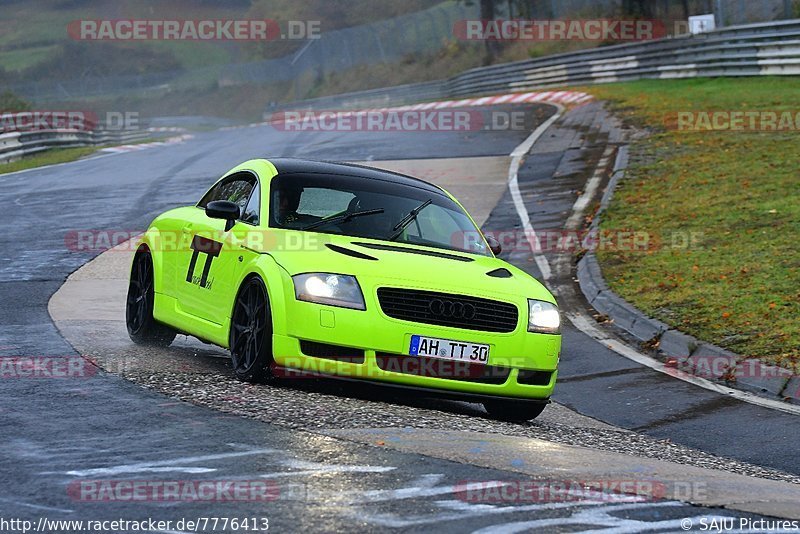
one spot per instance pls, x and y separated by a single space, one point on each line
287 200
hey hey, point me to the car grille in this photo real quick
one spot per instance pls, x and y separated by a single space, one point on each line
443 309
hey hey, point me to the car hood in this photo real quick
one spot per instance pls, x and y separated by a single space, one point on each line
383 262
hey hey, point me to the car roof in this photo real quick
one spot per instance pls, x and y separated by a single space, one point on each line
298 165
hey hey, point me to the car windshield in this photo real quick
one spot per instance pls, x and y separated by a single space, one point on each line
371 208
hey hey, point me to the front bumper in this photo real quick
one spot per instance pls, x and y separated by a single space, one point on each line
448 376
523 365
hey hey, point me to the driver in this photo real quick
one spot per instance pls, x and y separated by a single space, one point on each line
288 200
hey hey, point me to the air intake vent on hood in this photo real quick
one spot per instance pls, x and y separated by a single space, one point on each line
350 252
500 273
410 250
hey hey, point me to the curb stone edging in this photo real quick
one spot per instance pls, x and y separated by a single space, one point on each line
692 355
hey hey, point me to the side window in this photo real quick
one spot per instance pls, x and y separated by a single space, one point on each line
250 214
241 189
235 190
435 224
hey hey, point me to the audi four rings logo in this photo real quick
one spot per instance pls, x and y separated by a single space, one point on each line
450 309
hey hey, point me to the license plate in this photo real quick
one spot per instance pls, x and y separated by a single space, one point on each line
447 349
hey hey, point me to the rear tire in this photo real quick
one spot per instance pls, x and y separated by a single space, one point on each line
251 333
143 329
514 411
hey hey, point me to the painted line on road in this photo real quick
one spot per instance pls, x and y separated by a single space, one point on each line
106 153
513 186
607 519
145 466
579 318
36 506
458 510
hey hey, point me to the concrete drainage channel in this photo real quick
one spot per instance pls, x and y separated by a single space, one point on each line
89 312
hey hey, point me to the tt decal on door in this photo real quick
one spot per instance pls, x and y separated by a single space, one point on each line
211 249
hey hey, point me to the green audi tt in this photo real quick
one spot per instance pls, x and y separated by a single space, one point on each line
305 268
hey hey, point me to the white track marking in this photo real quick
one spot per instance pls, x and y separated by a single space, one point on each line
144 146
313 468
422 487
460 510
513 186
586 324
592 516
36 506
138 467
102 153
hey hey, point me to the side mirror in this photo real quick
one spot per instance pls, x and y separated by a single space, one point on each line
225 210
494 245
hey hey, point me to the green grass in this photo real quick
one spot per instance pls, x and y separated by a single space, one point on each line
16 60
738 192
49 157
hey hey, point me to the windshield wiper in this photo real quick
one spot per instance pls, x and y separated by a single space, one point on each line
408 219
342 218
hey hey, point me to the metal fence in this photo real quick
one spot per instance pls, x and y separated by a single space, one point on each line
15 145
750 50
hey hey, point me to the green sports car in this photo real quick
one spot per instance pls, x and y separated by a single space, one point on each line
305 268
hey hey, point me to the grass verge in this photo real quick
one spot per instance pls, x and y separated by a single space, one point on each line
48 157
722 209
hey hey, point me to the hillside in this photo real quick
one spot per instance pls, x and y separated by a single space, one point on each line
34 43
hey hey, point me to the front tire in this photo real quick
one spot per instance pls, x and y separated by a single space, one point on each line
251 333
513 411
143 329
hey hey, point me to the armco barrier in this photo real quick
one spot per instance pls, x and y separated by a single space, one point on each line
15 145
749 50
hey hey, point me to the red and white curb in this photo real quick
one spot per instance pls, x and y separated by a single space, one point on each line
166 129
143 146
557 97
546 97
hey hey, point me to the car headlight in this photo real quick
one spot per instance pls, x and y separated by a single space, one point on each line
332 289
543 317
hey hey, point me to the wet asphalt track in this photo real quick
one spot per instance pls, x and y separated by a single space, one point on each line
54 430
